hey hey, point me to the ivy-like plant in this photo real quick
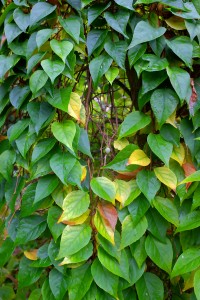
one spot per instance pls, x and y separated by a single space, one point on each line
99 149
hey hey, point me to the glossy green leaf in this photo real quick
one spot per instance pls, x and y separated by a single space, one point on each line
190 221
60 98
58 284
39 11
157 225
135 53
104 188
12 31
18 95
37 80
167 209
125 3
95 39
73 239
166 176
45 186
138 251
62 48
116 51
104 279
118 21
196 284
43 35
72 26
132 123
82 255
170 134
42 148
144 32
21 19
151 81
27 275
52 220
83 143
138 208
7 159
148 184
163 103
112 74
64 132
46 291
6 250
7 62
188 261
160 253
53 68
191 178
150 286
95 11
160 147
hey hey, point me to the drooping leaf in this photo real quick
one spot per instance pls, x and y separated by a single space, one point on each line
27 275
18 95
167 209
64 132
52 68
112 74
193 177
37 80
12 31
116 51
95 39
60 98
188 222
52 220
95 11
7 159
62 48
72 26
104 188
82 255
6 250
126 192
125 3
43 35
45 186
42 148
166 176
21 19
118 21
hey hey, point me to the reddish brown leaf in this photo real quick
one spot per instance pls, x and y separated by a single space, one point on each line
193 97
128 175
188 168
109 214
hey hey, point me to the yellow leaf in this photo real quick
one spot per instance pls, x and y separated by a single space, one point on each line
75 221
189 281
138 157
178 154
82 115
121 144
32 255
166 176
176 22
123 190
84 173
172 119
74 106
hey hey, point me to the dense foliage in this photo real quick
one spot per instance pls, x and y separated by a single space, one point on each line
99 149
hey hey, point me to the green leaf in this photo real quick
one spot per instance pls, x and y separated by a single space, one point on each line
190 221
18 95
160 253
132 123
12 31
72 26
27 275
104 188
191 178
116 51
73 239
16 130
151 80
79 282
58 284
83 143
132 232
180 80
45 186
43 35
155 63
138 208
166 176
170 134
53 68
157 225
126 191
82 255
189 12
60 98
183 48
113 250
7 159
98 67
125 3
150 287
7 62
148 184
34 60
120 268
138 251
163 103
75 204
95 39
42 148
37 81
62 164
104 279
35 294
39 11
6 292
160 147
196 284
6 250
144 32
136 53
29 229
21 19
112 74
52 220
188 261
118 21
167 209
46 291
95 11
61 48
64 133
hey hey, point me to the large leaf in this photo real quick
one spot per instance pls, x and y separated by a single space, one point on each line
45 186
7 159
52 68
116 51
118 21
95 39
39 11
160 147
73 239
126 192
157 225
27 275
160 253
167 209
95 10
104 279
42 148
150 82
132 123
105 220
62 48
188 261
6 250
163 103
72 26
104 188
148 184
58 283
37 80
190 221
64 132
139 157
7 62
82 255
12 31
18 95
42 36
166 176
125 3
21 19
60 98
144 32
149 286
191 178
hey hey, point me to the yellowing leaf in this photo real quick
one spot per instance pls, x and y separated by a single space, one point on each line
82 115
122 190
74 106
121 144
176 22
32 255
178 154
75 221
172 119
166 176
138 157
84 173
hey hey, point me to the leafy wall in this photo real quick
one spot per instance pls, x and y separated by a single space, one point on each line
100 149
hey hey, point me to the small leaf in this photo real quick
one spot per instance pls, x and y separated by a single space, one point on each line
64 132
167 209
160 147
61 48
148 184
32 255
80 256
166 176
194 177
52 68
178 154
176 22
139 157
52 221
188 261
74 106
112 74
104 188
189 169
37 80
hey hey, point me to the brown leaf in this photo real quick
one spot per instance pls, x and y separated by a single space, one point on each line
109 214
193 98
128 175
188 168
